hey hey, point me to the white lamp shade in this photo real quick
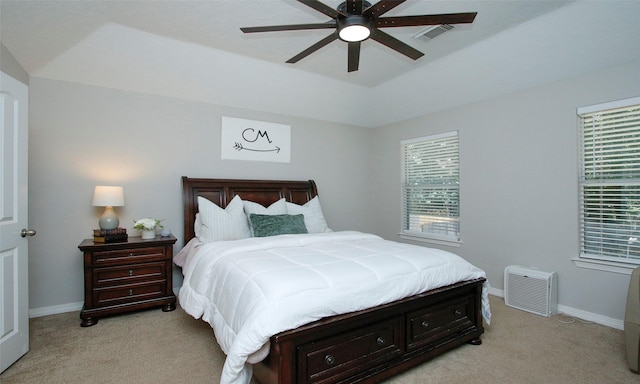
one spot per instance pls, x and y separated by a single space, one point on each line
108 196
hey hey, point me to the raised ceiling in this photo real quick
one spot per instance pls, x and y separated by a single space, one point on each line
38 31
509 40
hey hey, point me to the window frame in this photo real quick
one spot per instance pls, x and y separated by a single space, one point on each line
430 237
617 264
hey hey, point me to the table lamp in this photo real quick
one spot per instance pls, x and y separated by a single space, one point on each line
108 197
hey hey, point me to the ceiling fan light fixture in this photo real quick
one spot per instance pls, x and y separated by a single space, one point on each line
354 33
354 28
354 21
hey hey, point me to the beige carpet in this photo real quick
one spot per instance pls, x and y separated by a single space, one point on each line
157 347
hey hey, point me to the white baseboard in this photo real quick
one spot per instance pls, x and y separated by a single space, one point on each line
569 311
591 317
64 308
56 309
577 313
496 292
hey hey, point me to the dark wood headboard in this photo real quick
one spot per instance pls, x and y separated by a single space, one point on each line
221 191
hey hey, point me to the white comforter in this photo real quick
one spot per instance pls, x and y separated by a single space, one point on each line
249 290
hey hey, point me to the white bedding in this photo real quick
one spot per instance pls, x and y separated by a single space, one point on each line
251 289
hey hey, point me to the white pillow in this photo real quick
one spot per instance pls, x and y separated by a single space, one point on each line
197 225
277 208
313 218
222 224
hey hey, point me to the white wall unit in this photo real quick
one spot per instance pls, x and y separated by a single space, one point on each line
531 290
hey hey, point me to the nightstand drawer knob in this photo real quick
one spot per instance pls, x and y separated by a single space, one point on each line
329 360
131 254
131 272
131 292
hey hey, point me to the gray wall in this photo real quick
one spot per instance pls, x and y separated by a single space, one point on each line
518 169
519 182
81 136
11 67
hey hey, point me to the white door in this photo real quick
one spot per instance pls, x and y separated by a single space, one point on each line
14 296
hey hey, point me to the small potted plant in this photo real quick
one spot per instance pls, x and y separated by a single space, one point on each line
147 227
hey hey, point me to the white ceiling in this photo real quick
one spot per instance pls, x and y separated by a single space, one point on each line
177 48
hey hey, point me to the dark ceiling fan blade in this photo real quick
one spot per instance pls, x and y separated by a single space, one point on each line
413 21
323 8
381 7
354 56
313 48
291 27
395 44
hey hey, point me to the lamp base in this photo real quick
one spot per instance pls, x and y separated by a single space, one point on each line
109 219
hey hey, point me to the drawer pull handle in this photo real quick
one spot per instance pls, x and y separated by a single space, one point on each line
131 292
425 324
329 359
457 312
131 254
131 272
380 340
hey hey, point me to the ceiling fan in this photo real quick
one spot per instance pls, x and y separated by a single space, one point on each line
357 20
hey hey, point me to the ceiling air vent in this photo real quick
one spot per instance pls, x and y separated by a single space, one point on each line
432 31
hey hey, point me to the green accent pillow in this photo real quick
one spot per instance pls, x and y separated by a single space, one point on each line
272 225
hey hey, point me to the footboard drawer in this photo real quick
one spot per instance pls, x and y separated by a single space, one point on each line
344 349
432 324
340 356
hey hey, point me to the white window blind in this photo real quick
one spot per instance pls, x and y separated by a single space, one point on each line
431 187
610 181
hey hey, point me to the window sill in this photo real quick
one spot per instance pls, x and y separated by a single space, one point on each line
431 240
603 265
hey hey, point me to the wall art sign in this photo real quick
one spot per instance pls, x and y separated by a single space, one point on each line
253 140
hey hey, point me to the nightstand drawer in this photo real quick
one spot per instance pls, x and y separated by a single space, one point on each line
127 256
109 276
129 293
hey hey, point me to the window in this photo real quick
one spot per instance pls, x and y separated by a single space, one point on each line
431 187
610 181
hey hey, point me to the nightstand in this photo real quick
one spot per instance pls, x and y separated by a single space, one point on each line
123 277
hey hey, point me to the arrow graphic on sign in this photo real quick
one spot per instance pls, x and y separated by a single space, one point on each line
240 147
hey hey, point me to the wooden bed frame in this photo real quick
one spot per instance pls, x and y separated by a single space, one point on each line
360 347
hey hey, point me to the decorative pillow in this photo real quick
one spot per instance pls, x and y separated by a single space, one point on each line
313 217
222 224
272 225
277 208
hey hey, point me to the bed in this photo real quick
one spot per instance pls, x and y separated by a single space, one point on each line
365 345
